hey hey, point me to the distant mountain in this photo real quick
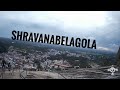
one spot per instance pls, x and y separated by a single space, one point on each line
100 57
7 42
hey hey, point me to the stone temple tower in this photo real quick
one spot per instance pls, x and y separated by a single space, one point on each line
118 57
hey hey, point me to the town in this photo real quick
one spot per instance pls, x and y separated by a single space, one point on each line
24 56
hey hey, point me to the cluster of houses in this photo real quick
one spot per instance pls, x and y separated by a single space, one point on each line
27 62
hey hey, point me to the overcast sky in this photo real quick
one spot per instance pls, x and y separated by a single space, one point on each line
102 26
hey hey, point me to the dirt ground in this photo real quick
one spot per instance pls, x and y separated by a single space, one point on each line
69 74
29 75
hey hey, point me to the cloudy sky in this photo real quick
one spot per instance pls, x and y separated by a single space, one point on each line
103 26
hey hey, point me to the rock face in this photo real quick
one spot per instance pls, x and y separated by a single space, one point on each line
118 57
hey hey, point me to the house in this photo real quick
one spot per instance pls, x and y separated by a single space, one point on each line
61 66
29 68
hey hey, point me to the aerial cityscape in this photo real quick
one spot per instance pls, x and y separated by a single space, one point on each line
76 45
33 61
